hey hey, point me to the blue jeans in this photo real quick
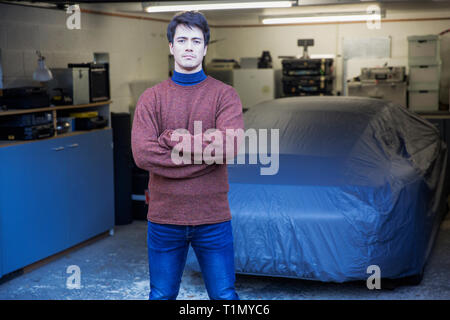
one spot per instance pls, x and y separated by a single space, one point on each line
168 246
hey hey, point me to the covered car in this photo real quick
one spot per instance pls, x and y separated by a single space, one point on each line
361 182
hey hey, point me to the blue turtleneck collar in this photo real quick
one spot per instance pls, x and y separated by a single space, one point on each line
188 79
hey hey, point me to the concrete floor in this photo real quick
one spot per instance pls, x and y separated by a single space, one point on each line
115 267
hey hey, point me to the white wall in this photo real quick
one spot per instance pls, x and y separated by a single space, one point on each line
282 40
138 49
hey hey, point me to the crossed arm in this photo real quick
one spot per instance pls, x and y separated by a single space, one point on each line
153 153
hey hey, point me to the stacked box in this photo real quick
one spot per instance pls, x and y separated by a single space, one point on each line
424 72
424 77
308 85
307 77
424 50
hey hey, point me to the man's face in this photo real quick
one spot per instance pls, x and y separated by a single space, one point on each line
188 49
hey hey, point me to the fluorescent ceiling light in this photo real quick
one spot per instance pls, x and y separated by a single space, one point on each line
343 17
38 4
218 5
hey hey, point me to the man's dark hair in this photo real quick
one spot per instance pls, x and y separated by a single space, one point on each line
190 19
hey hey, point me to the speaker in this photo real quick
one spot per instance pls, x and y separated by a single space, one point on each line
123 167
140 185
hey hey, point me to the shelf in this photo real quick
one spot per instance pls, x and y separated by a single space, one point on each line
8 143
56 108
440 114
444 115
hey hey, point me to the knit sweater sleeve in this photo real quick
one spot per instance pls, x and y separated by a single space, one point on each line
228 116
150 152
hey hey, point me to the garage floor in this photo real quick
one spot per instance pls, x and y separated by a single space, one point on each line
115 267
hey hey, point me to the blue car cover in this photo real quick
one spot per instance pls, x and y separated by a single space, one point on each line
360 182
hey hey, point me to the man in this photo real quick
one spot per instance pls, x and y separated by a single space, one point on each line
189 200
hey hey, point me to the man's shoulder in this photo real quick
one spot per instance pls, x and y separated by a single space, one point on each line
219 84
162 85
150 91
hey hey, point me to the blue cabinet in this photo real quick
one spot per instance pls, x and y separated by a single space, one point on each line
54 194
91 203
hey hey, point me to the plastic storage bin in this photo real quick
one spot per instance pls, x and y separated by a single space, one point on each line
424 100
423 50
425 77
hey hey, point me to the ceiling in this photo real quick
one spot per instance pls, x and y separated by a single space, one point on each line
224 17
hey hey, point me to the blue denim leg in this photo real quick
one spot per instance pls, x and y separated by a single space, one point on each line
213 246
167 251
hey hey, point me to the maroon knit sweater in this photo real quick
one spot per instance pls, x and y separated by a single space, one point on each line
184 194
